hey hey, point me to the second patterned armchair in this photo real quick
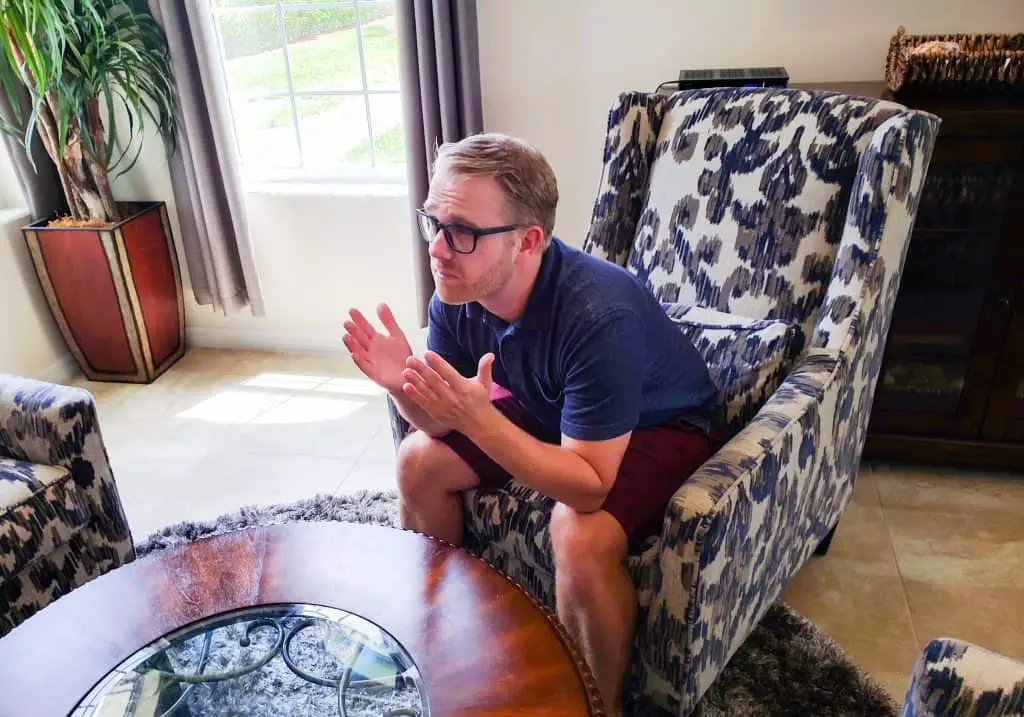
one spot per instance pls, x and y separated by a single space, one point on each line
61 519
954 678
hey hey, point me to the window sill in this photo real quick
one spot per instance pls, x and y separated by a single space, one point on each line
331 189
15 215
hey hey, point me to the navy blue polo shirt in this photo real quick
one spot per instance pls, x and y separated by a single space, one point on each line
593 355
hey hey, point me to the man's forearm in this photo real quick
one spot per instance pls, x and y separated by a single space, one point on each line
547 468
418 417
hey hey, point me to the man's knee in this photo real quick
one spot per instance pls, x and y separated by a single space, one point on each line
585 546
414 462
425 463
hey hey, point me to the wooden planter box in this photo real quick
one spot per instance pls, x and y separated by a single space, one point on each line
115 292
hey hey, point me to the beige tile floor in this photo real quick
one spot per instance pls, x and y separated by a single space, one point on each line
920 552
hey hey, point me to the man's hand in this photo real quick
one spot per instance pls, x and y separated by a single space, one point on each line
381 357
446 395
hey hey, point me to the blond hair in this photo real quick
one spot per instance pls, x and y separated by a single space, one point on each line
521 171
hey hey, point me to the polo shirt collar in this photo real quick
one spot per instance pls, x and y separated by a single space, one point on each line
542 296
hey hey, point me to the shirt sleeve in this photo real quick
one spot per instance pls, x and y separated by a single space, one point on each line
604 379
443 340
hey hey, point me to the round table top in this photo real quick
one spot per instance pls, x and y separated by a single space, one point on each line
463 638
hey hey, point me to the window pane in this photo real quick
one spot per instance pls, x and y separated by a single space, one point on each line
333 130
242 3
323 48
388 135
249 3
266 133
380 45
252 44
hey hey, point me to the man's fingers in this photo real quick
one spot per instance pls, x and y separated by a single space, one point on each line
357 333
421 384
388 319
350 343
431 377
354 338
418 398
354 347
444 369
483 372
362 324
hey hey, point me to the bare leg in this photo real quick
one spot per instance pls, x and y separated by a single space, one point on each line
595 596
430 477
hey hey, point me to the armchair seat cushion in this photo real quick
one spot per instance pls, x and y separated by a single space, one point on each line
41 507
747 358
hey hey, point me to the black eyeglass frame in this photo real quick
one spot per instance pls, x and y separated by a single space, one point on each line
447 227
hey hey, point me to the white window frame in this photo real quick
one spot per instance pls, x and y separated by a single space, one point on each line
387 174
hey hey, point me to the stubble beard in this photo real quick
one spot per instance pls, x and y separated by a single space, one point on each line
488 285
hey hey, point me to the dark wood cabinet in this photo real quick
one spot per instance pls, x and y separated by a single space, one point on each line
951 387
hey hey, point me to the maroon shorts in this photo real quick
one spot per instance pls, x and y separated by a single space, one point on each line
658 460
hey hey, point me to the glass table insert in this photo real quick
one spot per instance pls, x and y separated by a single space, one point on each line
284 660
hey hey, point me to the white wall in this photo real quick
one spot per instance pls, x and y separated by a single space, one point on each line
319 250
30 344
319 253
551 68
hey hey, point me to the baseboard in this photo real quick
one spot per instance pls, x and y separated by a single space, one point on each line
61 371
280 341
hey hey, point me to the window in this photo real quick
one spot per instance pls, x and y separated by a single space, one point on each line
314 88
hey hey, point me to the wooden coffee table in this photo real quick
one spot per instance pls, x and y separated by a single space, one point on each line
478 645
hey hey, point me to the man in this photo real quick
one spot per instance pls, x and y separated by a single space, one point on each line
547 365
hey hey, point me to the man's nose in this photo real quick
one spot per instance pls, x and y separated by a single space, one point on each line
439 248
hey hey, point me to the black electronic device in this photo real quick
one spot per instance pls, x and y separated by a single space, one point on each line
729 77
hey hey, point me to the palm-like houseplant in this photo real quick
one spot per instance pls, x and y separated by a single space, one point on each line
109 272
79 60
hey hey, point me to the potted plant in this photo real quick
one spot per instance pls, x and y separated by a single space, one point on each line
108 269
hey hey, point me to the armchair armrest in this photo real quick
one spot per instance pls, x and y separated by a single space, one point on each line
741 526
953 677
399 426
59 426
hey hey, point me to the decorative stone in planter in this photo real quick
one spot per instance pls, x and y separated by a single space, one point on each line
115 292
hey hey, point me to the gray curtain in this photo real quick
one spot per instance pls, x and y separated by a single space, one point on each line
440 76
41 186
205 168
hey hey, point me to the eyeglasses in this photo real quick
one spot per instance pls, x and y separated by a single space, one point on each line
459 238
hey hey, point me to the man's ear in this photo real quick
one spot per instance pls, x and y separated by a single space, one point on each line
533 240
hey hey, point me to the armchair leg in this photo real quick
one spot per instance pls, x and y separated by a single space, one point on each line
826 541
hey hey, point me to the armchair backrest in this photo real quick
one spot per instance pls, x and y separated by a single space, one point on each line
733 199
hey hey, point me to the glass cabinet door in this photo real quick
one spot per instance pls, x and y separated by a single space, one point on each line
1015 430
943 348
1004 418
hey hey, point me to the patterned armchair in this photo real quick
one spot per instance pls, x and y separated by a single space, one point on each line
773 226
953 678
61 520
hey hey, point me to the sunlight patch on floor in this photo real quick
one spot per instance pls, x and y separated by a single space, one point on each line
286 381
232 407
310 410
321 384
291 398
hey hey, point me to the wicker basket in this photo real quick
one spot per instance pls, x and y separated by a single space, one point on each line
992 62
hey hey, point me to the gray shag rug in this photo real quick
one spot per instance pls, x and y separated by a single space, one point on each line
786 667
